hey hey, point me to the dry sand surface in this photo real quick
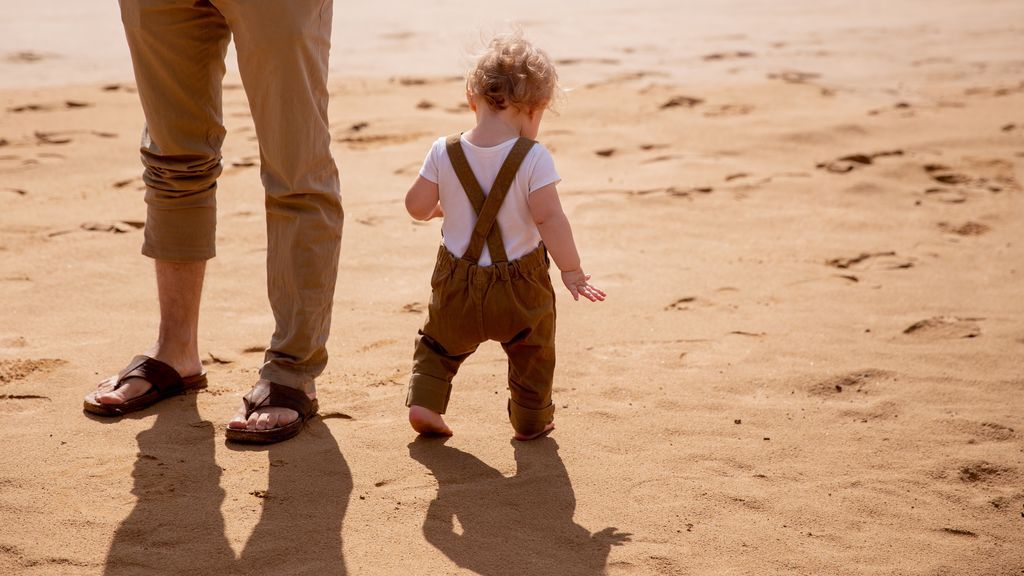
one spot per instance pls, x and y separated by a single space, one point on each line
810 223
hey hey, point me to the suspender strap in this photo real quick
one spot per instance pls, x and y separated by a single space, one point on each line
487 207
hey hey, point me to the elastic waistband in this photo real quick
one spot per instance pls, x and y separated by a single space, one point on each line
464 269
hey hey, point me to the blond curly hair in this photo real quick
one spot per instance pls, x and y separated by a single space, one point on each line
511 71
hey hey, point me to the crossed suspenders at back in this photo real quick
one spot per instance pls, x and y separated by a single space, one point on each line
486 207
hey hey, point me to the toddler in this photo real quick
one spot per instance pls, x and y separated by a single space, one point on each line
494 186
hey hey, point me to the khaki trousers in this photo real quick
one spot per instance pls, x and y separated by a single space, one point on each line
512 303
178 49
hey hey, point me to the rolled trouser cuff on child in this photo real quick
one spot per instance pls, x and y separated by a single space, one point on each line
180 234
429 392
528 422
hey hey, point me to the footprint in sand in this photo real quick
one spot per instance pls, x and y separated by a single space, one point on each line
982 176
734 55
369 221
997 91
377 344
945 327
681 102
649 147
576 61
966 229
794 76
118 227
118 88
901 109
605 152
51 138
379 140
945 175
724 110
675 191
414 308
17 369
983 472
246 162
27 57
979 431
140 185
871 260
67 104
681 303
859 381
661 158
946 195
216 360
851 162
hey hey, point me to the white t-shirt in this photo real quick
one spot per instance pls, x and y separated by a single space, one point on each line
519 233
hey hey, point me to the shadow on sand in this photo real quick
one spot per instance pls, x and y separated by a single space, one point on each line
492 525
176 526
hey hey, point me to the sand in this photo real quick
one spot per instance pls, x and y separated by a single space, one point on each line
808 219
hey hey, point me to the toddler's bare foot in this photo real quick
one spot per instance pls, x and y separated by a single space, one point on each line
523 437
426 421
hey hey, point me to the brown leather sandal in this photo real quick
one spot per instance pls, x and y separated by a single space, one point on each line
164 381
278 396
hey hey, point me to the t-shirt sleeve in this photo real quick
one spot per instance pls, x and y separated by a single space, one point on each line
543 172
429 170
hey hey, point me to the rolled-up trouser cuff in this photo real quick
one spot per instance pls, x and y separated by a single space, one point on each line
429 392
285 377
180 235
528 422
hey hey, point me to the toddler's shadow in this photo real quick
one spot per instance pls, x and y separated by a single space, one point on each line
491 524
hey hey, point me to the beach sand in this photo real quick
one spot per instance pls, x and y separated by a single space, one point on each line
809 220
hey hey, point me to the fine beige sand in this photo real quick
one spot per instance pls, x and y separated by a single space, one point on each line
809 222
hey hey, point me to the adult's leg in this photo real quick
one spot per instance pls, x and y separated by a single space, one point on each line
177 49
179 288
282 55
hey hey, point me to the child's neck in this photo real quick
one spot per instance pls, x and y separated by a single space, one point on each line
494 127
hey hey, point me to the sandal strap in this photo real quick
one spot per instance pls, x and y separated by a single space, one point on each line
164 379
279 396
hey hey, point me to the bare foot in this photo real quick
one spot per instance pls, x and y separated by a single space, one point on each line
426 421
265 418
523 437
185 364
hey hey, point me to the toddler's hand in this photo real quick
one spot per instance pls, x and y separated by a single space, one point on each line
576 282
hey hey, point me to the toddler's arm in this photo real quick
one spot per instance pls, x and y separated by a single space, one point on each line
554 228
422 200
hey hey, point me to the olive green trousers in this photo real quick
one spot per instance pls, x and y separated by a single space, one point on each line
510 302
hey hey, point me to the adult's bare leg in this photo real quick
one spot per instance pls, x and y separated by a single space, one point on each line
179 288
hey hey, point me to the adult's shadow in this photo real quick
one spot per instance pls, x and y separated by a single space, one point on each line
517 525
176 526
